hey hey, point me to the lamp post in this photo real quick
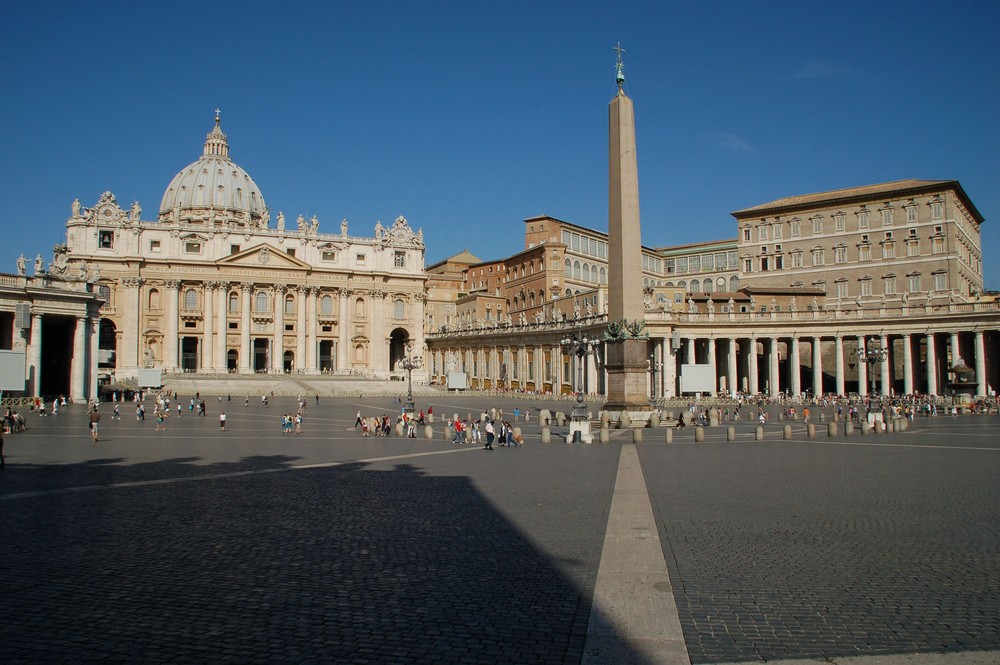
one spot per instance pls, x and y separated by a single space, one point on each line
872 356
581 347
410 363
654 367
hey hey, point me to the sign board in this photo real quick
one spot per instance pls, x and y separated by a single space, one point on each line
12 370
458 381
697 379
150 378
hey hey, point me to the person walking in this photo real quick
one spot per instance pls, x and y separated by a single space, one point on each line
95 423
490 433
222 421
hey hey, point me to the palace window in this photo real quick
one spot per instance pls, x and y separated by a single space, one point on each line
911 214
261 302
840 254
762 233
866 286
937 210
289 304
234 302
192 248
398 309
796 259
913 283
912 247
838 222
746 235
886 217
889 285
190 299
818 257
842 288
863 219
888 250
817 226
940 281
734 283
326 306
777 232
399 259
795 228
937 245
359 307
329 256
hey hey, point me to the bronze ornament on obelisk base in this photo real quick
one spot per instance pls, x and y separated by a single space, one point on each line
626 352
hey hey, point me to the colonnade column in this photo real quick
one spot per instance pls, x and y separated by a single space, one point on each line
775 383
907 366
817 344
170 340
207 348
712 363
753 381
956 351
79 361
128 352
245 365
312 339
222 328
278 350
839 350
932 383
691 358
885 390
343 331
980 364
862 367
90 381
300 328
795 368
731 378
35 355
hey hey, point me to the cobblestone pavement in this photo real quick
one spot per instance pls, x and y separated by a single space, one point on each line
193 545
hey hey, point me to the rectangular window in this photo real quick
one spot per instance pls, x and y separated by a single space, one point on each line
841 289
695 264
911 214
888 250
796 228
762 233
746 235
399 259
914 283
732 260
290 251
747 265
863 220
777 231
682 266
106 239
154 246
234 325
234 249
797 260
912 248
818 226
817 257
864 253
840 255
937 210
329 256
360 259
708 262
670 266
886 217
192 248
939 281
889 286
839 224
866 287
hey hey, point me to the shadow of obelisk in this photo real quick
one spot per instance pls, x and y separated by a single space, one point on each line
626 336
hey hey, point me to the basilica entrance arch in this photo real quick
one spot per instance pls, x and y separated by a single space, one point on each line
397 347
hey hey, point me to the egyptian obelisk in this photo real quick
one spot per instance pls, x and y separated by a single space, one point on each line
626 354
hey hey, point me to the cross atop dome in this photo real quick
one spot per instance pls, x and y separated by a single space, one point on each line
215 142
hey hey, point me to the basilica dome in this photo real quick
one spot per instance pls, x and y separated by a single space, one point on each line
214 188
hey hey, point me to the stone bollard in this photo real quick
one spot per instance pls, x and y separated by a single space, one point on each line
904 425
730 433
795 416
544 416
399 429
699 434
448 433
560 419
624 422
811 430
865 428
890 425
467 433
430 418
822 417
546 435
877 427
759 433
831 429
637 436
713 417
516 433
670 417
848 428
669 435
654 419
604 435
786 433
428 432
605 419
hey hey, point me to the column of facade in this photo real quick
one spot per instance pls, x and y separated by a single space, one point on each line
312 328
775 383
344 332
753 381
691 357
669 370
380 360
907 366
839 350
932 382
300 328
886 388
170 340
78 366
207 347
35 355
246 365
278 350
222 327
128 351
862 366
795 368
817 366
980 364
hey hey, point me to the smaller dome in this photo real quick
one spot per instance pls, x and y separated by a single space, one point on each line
213 186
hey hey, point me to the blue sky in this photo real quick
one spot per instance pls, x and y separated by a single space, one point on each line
468 117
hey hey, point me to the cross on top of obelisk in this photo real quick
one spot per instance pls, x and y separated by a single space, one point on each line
619 65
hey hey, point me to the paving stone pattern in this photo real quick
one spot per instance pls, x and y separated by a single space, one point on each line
813 550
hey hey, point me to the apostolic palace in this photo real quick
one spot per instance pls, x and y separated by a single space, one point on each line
872 289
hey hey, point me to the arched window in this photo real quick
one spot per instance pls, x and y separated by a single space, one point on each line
359 353
734 283
289 304
234 302
154 299
706 285
326 306
190 299
104 293
604 276
260 304
398 308
568 270
576 269
359 307
682 284
586 272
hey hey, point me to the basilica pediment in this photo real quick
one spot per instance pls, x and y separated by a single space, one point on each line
264 255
